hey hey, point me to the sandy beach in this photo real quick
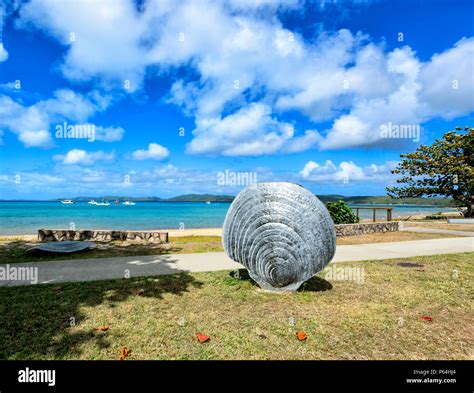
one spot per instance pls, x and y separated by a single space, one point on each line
218 231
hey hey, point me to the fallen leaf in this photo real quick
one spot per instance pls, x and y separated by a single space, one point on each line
124 353
301 336
56 289
140 292
426 318
102 328
202 338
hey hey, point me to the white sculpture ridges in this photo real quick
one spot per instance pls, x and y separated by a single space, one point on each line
281 233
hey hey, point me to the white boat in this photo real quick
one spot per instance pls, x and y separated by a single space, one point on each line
67 202
102 203
92 202
208 202
129 203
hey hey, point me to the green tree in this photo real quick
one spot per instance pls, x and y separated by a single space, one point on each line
445 168
341 213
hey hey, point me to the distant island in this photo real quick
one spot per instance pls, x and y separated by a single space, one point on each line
351 200
179 198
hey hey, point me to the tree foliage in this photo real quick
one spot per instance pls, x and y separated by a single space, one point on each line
341 213
444 168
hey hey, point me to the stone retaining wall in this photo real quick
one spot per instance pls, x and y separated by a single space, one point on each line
370 227
59 235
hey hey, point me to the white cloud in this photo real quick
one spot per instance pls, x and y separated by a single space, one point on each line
79 179
154 152
3 53
442 87
242 60
6 8
100 44
256 4
362 125
32 123
68 104
109 134
82 157
29 123
305 142
448 81
346 171
310 165
251 131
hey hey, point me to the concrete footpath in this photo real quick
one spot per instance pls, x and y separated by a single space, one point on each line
436 230
120 267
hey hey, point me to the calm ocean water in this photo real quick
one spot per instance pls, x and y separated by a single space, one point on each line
18 218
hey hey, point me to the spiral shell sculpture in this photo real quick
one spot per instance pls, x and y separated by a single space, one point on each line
281 233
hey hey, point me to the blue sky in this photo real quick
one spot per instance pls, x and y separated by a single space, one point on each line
290 90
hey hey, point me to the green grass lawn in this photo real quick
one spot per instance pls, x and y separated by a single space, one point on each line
379 319
17 250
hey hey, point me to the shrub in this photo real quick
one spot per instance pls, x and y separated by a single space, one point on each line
341 213
435 216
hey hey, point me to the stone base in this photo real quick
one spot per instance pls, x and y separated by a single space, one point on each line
370 227
60 235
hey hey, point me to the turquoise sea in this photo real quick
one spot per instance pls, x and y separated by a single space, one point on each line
18 218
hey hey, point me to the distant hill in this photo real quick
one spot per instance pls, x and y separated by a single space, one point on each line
365 199
113 198
179 198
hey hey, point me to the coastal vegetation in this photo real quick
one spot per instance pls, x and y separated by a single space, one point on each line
444 168
341 213
400 312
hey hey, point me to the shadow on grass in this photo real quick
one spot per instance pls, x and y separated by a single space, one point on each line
35 320
19 251
314 284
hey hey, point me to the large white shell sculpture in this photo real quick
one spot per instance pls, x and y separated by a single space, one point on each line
281 233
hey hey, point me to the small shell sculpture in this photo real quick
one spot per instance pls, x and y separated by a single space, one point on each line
281 233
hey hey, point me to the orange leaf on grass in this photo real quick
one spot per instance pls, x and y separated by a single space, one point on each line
102 328
301 336
202 338
56 289
426 318
124 352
